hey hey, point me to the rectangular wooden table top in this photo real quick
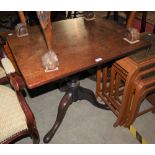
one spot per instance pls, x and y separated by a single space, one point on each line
77 43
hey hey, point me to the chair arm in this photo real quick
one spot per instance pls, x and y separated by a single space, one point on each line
16 81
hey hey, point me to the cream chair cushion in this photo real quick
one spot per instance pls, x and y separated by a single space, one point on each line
2 73
12 118
7 65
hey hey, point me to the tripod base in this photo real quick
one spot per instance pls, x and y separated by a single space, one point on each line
74 92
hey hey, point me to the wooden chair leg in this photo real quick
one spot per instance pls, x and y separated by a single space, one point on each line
112 81
143 22
116 94
69 15
30 119
75 14
154 29
104 80
115 15
108 14
98 82
35 136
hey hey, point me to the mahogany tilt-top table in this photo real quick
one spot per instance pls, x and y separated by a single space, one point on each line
79 45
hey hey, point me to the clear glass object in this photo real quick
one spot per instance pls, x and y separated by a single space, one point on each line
50 61
133 34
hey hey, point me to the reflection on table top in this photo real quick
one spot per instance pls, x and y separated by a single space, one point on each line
77 43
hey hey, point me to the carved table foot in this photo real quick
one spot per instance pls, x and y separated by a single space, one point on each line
63 106
87 94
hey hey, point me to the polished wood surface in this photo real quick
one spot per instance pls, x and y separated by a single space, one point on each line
77 44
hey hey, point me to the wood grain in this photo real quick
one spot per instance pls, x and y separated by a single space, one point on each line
77 44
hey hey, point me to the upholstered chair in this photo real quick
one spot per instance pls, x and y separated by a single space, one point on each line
16 117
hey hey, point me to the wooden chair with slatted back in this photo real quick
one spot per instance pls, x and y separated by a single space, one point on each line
141 86
121 72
